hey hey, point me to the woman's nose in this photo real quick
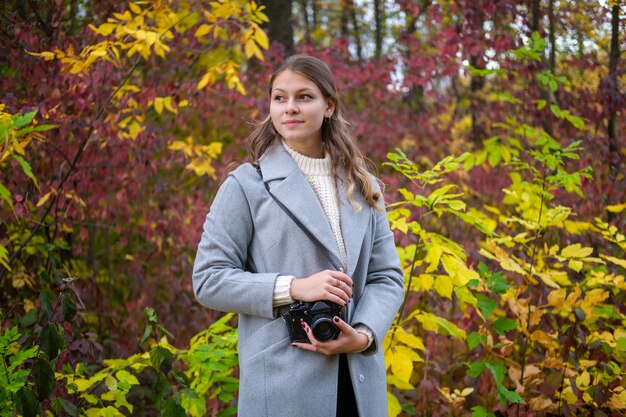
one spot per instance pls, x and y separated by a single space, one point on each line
291 107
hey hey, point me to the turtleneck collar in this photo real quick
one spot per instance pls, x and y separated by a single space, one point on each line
308 165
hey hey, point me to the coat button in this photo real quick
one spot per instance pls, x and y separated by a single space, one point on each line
361 378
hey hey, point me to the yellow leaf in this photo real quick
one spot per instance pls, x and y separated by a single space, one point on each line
207 79
575 265
541 403
582 381
576 227
616 208
250 49
401 363
547 341
576 251
557 297
151 38
186 147
140 35
443 286
48 56
400 224
410 339
548 280
592 298
167 102
616 261
134 8
202 30
618 401
261 38
158 105
511 265
397 382
424 282
432 257
98 52
105 29
393 405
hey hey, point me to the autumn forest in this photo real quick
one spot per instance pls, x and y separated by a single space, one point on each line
497 128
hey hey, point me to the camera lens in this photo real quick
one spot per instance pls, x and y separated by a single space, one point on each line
323 328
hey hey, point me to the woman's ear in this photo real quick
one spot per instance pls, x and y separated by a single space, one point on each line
330 107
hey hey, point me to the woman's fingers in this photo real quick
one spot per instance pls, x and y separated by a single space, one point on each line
349 340
328 285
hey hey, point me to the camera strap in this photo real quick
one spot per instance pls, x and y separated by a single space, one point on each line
306 231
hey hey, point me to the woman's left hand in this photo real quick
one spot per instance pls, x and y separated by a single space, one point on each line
349 340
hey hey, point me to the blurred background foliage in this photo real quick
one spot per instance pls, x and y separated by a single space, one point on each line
497 127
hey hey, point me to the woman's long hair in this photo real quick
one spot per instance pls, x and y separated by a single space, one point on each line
337 139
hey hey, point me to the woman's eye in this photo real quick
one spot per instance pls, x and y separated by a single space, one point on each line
278 98
305 97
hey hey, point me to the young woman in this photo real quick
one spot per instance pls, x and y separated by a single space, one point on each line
303 221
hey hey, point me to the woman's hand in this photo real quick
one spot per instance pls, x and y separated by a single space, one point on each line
349 340
328 285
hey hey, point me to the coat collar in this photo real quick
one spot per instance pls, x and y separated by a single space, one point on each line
289 185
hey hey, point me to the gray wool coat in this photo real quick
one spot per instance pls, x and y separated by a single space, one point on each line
245 230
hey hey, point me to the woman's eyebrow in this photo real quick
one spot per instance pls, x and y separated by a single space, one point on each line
308 89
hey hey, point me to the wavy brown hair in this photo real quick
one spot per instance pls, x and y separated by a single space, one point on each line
337 139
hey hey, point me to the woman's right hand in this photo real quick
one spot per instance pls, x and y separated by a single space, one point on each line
328 285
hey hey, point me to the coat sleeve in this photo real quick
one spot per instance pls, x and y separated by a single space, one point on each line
220 281
384 287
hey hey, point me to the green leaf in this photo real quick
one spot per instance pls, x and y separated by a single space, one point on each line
20 120
486 305
475 369
498 283
43 376
173 410
26 168
161 359
503 325
507 396
68 306
26 402
498 371
480 411
68 407
474 339
5 194
151 315
146 333
51 341
29 318
30 129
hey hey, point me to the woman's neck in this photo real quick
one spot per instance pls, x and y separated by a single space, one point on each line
310 149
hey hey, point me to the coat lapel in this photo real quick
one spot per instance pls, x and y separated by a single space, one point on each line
290 187
354 224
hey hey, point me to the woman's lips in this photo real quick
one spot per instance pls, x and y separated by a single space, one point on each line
292 122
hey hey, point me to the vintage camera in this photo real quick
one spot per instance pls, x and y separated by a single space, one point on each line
318 315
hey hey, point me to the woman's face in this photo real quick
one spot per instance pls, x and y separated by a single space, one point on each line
297 110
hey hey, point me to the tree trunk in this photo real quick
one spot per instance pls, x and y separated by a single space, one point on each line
356 31
345 18
280 26
613 145
477 82
304 4
378 34
552 36
316 14
535 15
